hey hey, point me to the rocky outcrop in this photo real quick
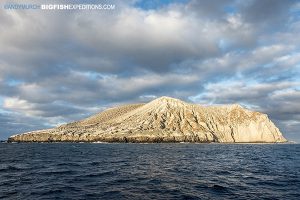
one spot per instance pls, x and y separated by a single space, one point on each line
164 120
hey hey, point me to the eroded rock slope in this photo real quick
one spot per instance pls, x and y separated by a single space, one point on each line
164 120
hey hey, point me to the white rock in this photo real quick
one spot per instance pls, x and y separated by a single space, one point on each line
164 120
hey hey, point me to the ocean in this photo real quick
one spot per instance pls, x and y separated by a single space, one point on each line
149 171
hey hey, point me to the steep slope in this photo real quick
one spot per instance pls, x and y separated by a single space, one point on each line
164 120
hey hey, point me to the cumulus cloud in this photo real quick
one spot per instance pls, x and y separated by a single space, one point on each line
60 66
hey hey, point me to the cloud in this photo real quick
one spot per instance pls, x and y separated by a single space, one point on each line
60 66
271 13
13 123
211 10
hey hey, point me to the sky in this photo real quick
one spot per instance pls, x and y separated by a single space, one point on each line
57 66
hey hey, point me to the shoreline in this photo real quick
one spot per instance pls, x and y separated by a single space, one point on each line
118 142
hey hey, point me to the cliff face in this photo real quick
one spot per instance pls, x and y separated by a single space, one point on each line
164 120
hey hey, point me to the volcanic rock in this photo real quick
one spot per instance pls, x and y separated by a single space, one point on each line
164 120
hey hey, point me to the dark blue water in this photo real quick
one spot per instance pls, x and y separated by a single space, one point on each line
149 171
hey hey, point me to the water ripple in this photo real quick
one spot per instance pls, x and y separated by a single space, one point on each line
149 171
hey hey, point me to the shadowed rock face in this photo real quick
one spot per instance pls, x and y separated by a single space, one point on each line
164 120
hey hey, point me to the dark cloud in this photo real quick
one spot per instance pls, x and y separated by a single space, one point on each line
17 123
271 13
210 10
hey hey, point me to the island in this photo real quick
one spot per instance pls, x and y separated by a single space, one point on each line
164 119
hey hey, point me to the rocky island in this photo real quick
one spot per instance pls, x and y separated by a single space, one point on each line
164 120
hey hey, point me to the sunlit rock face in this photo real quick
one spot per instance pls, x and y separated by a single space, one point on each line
164 120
